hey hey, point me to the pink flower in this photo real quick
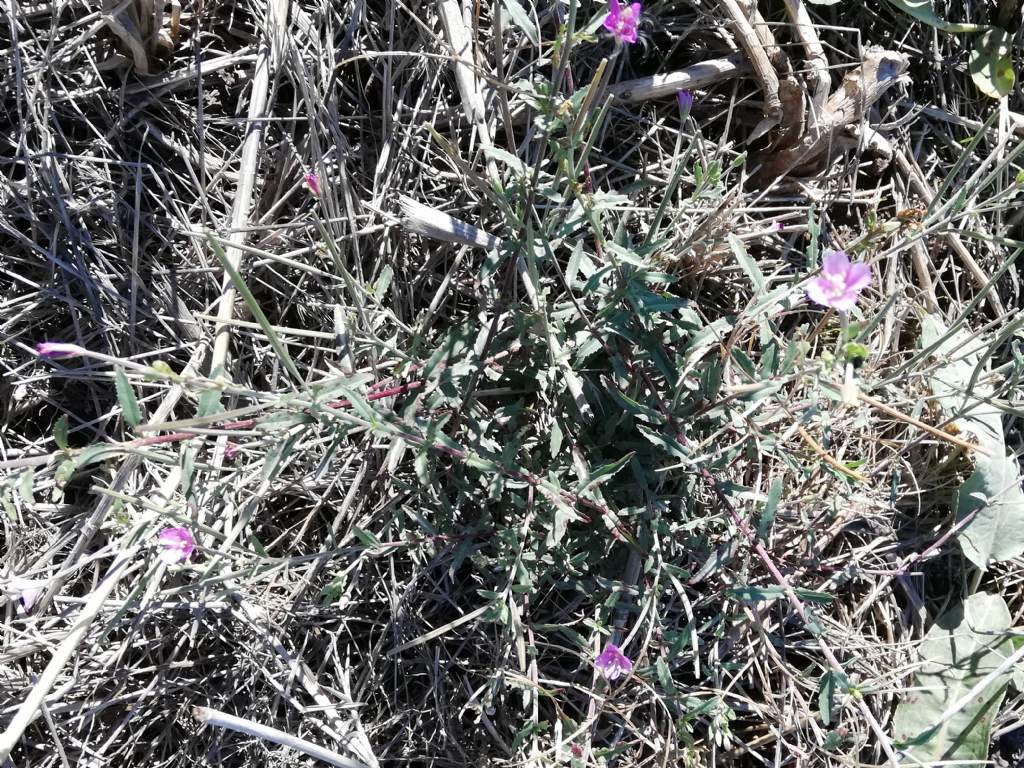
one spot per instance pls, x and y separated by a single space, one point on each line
313 182
613 663
177 544
621 21
230 450
51 349
840 282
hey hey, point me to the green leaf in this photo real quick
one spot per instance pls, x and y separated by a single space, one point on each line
522 20
991 65
966 644
603 473
750 268
514 163
564 514
960 392
757 594
255 308
764 522
126 398
63 473
209 403
923 10
993 494
664 675
60 433
824 2
366 538
25 485
830 681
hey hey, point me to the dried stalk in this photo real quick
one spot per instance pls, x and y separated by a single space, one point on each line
224 720
697 76
848 105
763 69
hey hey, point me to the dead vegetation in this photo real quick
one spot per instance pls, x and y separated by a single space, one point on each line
533 371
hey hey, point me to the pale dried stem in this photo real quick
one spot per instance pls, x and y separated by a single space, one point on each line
257 114
916 181
700 75
224 720
764 71
815 53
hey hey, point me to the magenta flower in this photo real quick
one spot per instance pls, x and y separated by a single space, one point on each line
313 182
51 349
613 663
685 101
621 21
840 282
177 544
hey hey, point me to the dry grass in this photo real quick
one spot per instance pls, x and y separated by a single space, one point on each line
403 553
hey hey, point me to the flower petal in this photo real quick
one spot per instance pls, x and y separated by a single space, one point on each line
51 349
846 302
171 556
177 544
859 277
835 262
611 21
819 290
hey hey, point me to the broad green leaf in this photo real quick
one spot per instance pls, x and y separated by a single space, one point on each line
960 393
367 539
25 485
664 675
209 403
993 495
991 64
966 644
126 398
564 514
924 10
521 18
514 163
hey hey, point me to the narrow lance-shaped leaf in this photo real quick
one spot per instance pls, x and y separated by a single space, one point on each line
924 10
255 308
126 398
